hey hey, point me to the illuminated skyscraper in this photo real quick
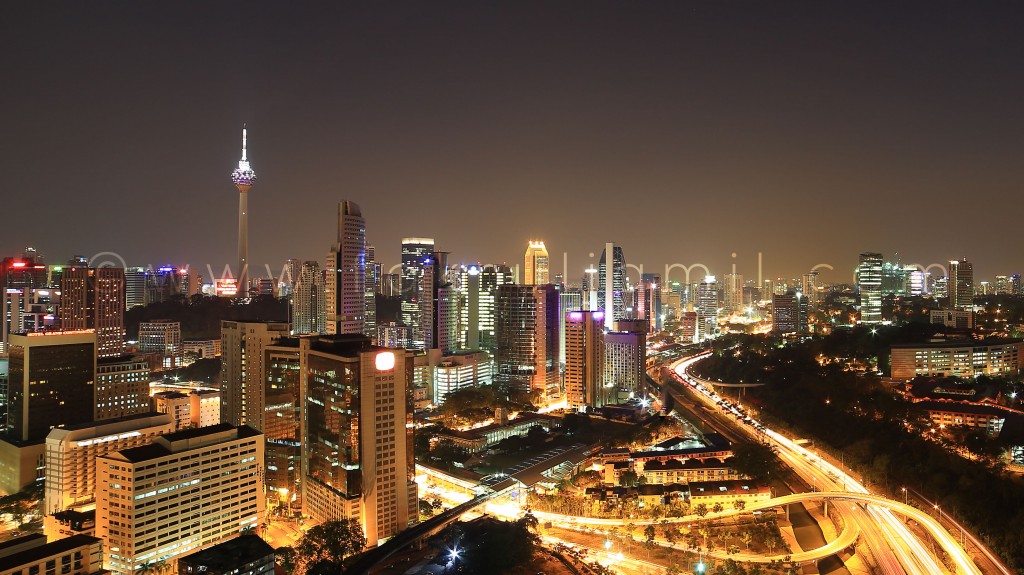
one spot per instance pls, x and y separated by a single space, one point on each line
308 306
491 278
51 382
584 359
243 373
416 254
345 285
536 264
961 284
810 288
93 298
526 325
869 283
569 299
611 284
707 308
370 281
732 293
357 433
244 178
648 300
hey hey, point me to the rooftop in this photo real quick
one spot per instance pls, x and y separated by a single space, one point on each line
992 341
229 554
40 550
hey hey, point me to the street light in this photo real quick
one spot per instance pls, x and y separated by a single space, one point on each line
905 495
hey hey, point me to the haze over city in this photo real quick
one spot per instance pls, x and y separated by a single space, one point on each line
683 131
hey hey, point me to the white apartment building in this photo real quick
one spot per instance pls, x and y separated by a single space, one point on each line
186 490
71 454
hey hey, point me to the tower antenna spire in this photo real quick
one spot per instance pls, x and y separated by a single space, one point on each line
243 142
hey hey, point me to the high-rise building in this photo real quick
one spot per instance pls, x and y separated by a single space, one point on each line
584 359
1003 285
708 298
648 300
243 392
51 378
416 257
537 264
357 460
394 335
26 310
611 283
162 337
23 272
732 293
282 420
148 509
569 299
810 288
166 283
93 298
244 178
461 370
345 287
869 283
625 356
961 284
468 293
491 278
122 387
446 336
134 287
308 301
390 285
371 278
789 313
526 324
71 454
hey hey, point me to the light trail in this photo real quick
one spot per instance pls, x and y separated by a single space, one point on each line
900 540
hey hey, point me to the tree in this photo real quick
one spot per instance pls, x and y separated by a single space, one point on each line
701 510
759 461
649 532
286 558
739 505
746 537
771 542
717 508
628 479
330 542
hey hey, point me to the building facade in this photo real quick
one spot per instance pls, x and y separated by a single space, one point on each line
122 387
184 491
357 460
93 298
345 285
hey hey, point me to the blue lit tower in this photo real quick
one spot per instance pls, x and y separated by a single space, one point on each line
244 178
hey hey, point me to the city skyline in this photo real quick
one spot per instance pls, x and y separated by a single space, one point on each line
669 113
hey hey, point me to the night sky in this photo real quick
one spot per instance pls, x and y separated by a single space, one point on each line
684 131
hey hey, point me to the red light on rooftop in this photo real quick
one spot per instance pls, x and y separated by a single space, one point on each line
18 265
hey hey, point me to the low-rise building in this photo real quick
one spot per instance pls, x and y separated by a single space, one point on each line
243 555
974 415
727 493
176 404
32 555
688 471
962 358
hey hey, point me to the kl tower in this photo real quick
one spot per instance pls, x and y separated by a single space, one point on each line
243 178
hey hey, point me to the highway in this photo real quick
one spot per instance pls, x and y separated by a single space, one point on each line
895 548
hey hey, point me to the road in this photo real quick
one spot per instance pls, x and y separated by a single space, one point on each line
895 548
